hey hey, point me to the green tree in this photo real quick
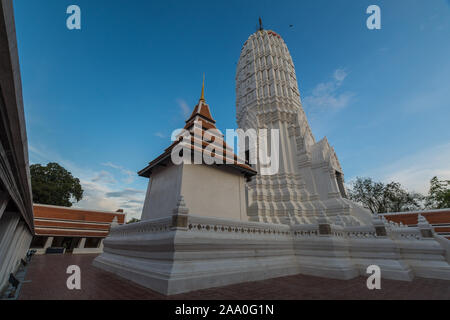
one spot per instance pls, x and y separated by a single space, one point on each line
380 198
439 194
398 199
52 184
133 220
368 193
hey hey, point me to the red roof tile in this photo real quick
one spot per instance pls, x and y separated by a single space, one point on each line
201 116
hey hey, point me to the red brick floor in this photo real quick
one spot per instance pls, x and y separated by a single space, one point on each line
48 281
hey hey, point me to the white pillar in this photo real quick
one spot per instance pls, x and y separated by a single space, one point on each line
100 246
48 243
81 243
15 253
9 257
4 199
28 237
21 245
8 225
426 230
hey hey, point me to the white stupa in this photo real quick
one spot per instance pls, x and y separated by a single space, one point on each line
200 228
310 179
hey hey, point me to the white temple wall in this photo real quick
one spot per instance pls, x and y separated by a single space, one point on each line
210 191
293 150
207 190
310 184
362 214
284 158
163 192
321 179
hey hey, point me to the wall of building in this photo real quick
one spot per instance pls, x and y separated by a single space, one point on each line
163 192
210 191
16 212
14 248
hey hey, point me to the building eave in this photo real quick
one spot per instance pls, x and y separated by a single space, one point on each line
14 147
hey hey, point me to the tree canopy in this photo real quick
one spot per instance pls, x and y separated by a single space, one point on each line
380 198
54 185
439 194
133 220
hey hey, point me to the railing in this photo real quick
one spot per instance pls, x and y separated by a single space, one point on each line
208 224
156 225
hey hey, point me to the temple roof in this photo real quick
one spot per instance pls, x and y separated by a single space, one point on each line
202 120
201 110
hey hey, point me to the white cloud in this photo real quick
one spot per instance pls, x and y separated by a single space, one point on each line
104 176
416 170
185 109
124 193
102 197
130 176
340 75
160 135
326 96
37 153
102 190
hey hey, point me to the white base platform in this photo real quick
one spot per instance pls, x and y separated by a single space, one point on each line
173 257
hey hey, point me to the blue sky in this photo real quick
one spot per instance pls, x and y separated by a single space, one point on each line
103 100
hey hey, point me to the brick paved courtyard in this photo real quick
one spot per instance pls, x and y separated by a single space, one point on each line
48 281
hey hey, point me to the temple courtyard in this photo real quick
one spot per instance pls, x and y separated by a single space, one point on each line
46 279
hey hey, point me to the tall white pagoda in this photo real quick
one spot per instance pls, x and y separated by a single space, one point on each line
310 179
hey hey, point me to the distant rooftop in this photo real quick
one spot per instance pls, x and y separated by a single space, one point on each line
52 220
439 219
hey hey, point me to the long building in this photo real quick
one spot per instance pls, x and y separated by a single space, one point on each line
16 209
72 230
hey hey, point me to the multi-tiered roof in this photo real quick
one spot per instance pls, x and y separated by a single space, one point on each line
202 121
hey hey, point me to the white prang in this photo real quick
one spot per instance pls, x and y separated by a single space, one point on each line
310 178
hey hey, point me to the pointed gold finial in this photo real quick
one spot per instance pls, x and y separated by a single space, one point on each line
202 98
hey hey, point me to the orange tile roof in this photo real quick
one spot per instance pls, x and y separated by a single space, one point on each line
202 118
439 219
202 110
63 221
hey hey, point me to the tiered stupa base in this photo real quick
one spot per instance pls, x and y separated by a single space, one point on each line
186 252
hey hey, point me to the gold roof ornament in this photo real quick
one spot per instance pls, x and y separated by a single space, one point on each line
202 98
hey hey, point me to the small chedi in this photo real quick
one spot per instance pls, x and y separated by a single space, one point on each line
205 225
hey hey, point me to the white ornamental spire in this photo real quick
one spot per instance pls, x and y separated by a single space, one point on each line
309 178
